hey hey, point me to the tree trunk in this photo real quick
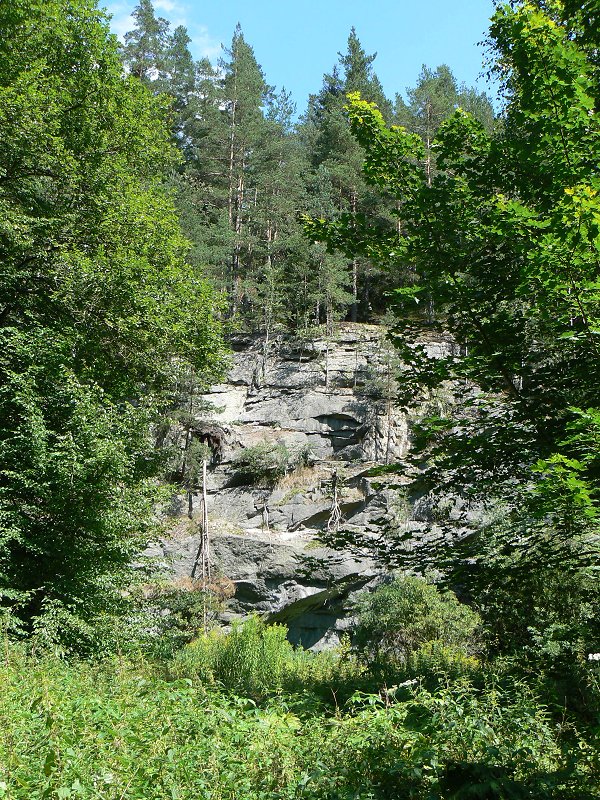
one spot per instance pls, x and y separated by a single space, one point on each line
202 559
354 306
335 517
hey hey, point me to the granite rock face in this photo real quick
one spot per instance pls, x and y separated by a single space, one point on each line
334 398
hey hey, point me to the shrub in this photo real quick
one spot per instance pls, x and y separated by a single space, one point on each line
263 463
119 729
267 462
249 660
171 613
257 660
404 617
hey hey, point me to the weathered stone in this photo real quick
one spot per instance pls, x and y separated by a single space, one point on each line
336 397
279 578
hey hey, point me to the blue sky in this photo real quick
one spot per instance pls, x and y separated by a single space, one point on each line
297 42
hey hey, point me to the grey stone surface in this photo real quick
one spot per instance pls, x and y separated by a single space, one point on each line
286 579
334 396
321 391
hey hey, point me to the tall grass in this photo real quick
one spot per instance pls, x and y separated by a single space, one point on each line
234 718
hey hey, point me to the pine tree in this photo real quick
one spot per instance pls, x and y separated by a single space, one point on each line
222 136
339 187
433 100
179 68
277 170
144 50
359 75
245 93
202 186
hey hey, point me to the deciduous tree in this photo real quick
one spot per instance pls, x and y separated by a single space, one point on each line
98 306
506 238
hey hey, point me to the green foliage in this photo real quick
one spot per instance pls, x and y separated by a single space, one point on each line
337 187
256 660
526 317
119 728
504 237
76 495
165 615
495 229
431 102
402 617
250 660
267 462
143 52
537 593
98 303
249 169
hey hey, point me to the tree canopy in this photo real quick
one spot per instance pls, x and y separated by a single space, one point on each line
98 304
504 236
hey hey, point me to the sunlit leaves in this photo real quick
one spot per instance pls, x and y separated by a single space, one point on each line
97 304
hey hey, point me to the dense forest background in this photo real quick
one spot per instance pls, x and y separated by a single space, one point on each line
250 168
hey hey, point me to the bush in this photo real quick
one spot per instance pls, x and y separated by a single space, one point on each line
256 660
460 742
268 462
407 616
249 660
120 729
171 613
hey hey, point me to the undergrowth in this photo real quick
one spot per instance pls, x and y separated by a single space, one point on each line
244 716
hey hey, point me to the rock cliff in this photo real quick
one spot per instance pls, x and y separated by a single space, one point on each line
331 399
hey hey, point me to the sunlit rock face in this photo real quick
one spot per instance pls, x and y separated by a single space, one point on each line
333 399
326 394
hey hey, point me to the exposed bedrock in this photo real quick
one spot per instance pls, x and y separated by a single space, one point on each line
335 398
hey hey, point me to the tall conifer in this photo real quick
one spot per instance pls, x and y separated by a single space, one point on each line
339 187
144 49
